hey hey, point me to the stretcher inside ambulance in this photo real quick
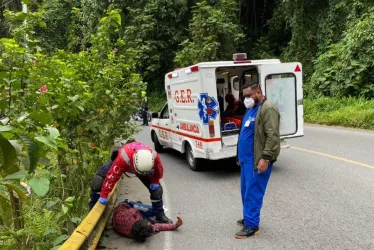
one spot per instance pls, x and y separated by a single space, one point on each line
204 108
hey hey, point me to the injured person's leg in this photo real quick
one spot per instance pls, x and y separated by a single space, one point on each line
148 213
145 210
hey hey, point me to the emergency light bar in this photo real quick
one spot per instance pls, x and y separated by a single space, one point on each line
191 69
240 58
173 75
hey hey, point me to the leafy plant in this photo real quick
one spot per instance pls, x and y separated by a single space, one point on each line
346 68
61 113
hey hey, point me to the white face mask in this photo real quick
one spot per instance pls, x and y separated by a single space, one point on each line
249 102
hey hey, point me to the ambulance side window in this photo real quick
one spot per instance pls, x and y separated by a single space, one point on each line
165 113
281 89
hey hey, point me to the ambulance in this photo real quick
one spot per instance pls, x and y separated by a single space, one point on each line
191 121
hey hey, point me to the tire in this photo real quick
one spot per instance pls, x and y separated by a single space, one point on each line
193 163
158 147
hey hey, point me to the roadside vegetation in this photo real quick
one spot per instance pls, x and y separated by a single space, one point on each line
60 114
71 73
347 112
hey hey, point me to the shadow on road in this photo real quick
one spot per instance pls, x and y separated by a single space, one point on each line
218 168
226 166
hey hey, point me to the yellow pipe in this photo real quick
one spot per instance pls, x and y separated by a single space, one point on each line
87 226
102 223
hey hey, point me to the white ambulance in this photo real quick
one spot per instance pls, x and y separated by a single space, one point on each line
190 122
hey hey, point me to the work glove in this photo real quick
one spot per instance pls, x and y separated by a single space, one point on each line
154 187
103 201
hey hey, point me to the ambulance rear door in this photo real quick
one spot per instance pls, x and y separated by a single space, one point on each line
283 86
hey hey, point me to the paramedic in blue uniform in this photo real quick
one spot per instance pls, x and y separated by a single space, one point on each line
258 149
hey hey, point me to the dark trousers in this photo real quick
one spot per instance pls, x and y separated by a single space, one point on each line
156 197
94 197
145 117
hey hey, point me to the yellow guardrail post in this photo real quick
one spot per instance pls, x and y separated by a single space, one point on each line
96 219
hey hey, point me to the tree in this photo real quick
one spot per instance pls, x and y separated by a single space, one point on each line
214 33
346 68
154 32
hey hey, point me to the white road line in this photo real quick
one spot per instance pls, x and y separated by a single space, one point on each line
167 234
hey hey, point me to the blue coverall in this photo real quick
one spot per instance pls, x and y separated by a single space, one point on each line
253 184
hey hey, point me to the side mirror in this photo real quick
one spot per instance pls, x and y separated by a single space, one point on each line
155 115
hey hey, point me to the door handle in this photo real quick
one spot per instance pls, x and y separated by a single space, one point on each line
166 124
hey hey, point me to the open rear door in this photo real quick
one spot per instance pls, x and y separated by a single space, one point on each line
283 86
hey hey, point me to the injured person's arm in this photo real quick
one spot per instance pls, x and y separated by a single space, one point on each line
167 227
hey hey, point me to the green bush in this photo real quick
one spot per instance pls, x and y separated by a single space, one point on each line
346 68
156 101
59 116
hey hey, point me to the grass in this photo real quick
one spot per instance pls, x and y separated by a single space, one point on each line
346 112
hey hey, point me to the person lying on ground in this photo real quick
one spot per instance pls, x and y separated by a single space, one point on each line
129 222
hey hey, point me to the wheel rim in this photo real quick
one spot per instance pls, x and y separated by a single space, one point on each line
191 160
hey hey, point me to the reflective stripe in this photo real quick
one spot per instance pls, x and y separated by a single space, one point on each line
125 157
156 200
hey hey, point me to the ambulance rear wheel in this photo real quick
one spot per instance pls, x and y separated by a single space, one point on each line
193 163
158 146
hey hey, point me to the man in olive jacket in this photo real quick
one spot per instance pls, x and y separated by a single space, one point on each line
258 149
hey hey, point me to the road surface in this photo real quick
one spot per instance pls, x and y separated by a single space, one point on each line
320 196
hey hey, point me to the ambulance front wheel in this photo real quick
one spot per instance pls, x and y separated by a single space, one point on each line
193 163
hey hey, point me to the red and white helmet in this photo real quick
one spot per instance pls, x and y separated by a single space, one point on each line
143 161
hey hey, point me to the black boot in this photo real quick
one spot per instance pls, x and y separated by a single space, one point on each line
247 232
160 219
240 222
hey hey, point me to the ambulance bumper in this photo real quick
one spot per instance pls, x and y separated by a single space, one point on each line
230 151
224 153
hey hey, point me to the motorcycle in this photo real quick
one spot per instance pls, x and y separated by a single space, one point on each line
139 115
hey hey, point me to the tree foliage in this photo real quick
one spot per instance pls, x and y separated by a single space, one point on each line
61 112
346 68
214 33
154 32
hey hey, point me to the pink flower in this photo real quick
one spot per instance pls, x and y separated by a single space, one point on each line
115 50
43 89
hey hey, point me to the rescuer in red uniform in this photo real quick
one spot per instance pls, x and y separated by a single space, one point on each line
145 163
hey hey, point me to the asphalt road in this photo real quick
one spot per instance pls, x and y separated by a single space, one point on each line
320 196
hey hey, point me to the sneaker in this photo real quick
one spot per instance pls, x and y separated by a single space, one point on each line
247 232
161 219
240 222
